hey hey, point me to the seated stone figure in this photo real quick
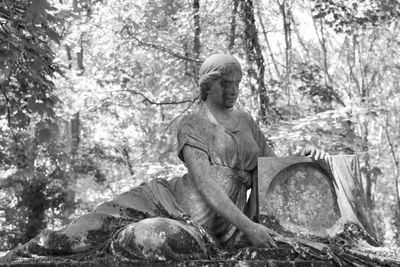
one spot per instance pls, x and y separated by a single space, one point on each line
189 216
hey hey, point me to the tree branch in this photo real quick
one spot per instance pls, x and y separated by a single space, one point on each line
148 100
152 102
186 109
159 47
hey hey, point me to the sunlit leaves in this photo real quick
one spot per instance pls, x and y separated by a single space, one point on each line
346 16
312 85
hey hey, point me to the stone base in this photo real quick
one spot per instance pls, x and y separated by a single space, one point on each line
244 257
193 263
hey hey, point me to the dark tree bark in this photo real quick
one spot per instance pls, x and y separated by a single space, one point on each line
286 21
192 66
75 132
254 56
197 29
128 160
69 56
232 35
79 56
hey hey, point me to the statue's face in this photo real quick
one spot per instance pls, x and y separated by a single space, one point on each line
225 91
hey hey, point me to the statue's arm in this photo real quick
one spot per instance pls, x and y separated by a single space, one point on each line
199 168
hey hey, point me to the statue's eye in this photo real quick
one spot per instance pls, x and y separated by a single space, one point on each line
226 84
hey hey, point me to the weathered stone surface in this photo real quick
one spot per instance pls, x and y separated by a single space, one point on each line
249 256
246 257
298 193
208 263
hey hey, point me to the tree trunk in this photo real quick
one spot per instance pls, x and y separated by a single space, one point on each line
266 39
79 56
69 201
192 67
254 55
286 20
69 56
367 166
75 133
232 35
126 154
33 197
197 29
396 161
75 5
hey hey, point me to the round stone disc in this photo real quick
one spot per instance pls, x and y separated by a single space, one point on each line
301 197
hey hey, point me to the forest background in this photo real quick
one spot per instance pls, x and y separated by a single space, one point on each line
92 91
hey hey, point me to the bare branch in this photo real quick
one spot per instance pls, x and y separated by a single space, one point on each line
159 47
183 111
146 99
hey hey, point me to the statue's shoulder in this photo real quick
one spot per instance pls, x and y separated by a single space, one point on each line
244 113
246 116
193 118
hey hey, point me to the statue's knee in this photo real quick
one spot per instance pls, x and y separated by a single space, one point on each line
151 234
158 238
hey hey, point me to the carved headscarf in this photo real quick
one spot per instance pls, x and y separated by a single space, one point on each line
213 68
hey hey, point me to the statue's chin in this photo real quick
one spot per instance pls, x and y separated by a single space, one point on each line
229 105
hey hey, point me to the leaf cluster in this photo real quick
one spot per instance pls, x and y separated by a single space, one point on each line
347 16
26 61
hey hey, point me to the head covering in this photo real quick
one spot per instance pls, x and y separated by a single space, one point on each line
216 63
213 68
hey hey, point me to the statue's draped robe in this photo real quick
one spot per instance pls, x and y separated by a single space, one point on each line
233 157
170 219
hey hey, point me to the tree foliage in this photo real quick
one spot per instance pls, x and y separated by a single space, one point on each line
346 16
28 130
27 65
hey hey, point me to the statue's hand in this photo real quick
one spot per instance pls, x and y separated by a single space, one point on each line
317 155
314 153
260 236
